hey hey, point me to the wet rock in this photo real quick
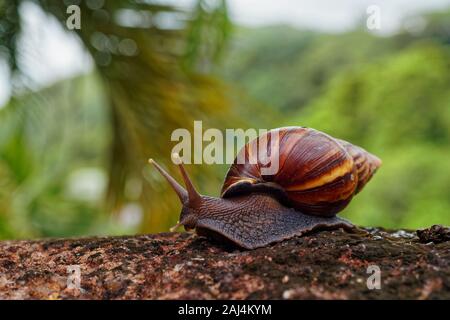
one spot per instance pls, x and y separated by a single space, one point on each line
322 265
435 234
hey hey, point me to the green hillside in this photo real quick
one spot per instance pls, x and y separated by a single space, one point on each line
390 95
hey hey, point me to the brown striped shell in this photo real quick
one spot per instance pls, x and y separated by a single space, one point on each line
317 174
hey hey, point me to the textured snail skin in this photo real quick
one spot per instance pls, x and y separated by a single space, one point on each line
256 221
318 176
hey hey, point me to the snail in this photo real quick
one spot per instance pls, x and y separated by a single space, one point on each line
318 176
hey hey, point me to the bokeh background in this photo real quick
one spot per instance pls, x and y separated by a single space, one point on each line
81 111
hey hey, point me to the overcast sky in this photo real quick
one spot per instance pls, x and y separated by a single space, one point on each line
53 54
327 15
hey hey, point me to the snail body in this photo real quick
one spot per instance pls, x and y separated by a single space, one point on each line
317 177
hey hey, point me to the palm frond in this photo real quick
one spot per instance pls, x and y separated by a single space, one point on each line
148 57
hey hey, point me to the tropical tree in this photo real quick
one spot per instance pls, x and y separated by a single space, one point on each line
154 63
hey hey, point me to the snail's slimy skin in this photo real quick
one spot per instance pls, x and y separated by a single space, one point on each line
317 178
254 221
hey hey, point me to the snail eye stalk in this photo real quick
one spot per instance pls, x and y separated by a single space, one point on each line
194 198
180 191
188 196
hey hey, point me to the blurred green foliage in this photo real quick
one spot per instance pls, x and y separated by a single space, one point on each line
390 95
399 108
152 75
73 156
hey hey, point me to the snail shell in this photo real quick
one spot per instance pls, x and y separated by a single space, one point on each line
317 175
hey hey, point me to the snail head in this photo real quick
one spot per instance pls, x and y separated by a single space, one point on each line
189 197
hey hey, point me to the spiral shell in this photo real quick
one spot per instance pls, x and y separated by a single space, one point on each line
317 174
365 162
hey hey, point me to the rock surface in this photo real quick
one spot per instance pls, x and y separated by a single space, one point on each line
324 265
